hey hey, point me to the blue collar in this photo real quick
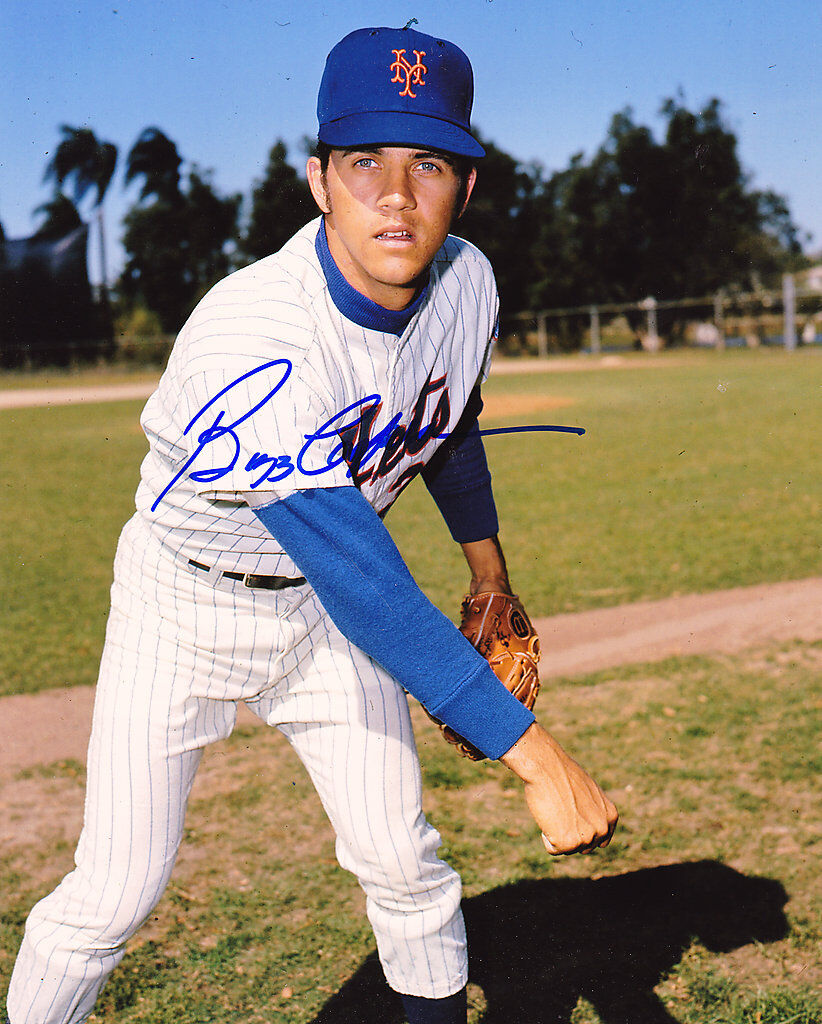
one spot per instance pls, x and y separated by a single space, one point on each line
357 307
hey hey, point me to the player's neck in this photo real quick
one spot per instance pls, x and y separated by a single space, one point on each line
360 308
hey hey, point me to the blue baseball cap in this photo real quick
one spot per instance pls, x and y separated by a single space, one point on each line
395 86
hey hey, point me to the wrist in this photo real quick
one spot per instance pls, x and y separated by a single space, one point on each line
490 585
527 757
489 572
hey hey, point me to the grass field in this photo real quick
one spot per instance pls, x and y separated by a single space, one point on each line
698 472
694 475
703 904
73 376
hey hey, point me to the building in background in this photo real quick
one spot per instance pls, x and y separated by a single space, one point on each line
49 315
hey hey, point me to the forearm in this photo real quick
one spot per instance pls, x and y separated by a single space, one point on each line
343 549
487 564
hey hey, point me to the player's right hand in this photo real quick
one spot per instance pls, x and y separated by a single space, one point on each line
571 810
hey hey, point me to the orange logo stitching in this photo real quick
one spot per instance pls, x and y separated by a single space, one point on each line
411 74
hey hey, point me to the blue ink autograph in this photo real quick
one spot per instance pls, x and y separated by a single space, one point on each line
353 427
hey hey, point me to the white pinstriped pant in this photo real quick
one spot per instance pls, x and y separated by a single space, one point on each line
179 653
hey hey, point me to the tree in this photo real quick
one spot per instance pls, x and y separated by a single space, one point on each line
777 248
155 159
60 218
211 226
281 203
670 218
176 239
89 164
154 272
498 220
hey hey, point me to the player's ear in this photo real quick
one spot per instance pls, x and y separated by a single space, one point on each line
468 188
317 183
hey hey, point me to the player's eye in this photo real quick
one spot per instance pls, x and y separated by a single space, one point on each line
428 165
365 161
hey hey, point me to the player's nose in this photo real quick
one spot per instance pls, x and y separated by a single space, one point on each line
397 192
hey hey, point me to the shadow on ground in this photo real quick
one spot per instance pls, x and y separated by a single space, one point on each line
538 945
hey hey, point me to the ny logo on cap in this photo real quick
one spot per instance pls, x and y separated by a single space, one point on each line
409 73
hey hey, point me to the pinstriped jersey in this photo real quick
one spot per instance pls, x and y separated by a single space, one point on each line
271 388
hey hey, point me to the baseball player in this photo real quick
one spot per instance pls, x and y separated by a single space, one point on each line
301 397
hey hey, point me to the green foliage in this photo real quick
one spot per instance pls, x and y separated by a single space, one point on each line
155 159
673 217
670 218
281 203
178 243
211 226
138 322
499 220
140 338
82 159
60 218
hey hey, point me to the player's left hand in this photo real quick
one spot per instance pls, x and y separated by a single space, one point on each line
495 624
571 810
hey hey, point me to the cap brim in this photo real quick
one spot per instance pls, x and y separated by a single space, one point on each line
390 128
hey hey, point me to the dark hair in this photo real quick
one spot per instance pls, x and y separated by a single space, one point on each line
463 165
323 152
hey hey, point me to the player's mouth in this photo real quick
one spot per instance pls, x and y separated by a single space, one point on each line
395 236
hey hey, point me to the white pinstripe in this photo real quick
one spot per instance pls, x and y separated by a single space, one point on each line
280 308
183 646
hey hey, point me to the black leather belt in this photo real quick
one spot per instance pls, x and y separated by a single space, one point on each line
253 580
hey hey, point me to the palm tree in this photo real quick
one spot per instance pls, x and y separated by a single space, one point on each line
90 164
154 157
60 218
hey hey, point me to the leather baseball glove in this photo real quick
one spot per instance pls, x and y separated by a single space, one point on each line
497 626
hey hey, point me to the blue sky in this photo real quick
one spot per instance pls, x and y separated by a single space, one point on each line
226 78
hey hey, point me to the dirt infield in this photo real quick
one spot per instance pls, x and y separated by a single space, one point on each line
43 728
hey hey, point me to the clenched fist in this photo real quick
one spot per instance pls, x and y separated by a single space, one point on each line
572 812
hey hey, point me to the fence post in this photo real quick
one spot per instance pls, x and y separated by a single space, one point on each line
719 319
596 343
789 308
542 337
649 305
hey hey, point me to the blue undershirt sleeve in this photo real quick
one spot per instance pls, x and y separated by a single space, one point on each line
341 546
458 479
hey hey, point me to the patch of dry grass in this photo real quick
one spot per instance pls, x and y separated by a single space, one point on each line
704 899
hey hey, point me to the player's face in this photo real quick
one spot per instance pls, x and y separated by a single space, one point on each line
388 211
